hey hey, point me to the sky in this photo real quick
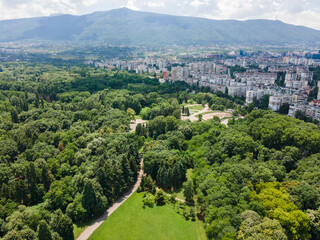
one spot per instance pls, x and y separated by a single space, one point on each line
298 12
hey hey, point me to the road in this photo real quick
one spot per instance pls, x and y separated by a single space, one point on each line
90 229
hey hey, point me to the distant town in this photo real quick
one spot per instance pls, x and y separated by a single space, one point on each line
287 79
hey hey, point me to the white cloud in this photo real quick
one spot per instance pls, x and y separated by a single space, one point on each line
132 5
197 3
157 4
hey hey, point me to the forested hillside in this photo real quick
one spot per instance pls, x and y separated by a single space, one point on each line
66 154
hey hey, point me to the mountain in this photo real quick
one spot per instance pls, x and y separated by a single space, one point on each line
125 26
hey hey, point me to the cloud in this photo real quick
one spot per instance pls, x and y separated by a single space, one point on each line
132 5
198 3
157 4
298 12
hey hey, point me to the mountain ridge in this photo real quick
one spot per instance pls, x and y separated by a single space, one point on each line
126 26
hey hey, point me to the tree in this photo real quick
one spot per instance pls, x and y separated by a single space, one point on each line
131 113
62 224
284 109
43 231
199 117
314 216
32 182
140 130
59 195
188 191
263 103
92 200
306 196
278 205
75 210
65 228
254 227
160 198
14 116
89 201
187 111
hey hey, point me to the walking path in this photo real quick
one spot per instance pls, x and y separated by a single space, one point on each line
90 229
193 117
206 115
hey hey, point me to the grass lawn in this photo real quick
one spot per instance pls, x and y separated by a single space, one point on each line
131 221
196 107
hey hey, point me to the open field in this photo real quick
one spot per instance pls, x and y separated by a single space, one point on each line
195 107
218 114
131 221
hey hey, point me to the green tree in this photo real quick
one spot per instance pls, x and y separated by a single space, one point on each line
278 205
306 196
284 109
62 224
89 201
254 227
188 190
131 113
160 198
43 231
14 116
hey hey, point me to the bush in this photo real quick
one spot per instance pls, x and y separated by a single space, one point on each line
186 213
192 214
148 201
160 199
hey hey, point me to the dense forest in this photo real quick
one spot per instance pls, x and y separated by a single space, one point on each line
67 153
256 179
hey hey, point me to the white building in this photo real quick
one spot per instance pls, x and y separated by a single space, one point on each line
275 102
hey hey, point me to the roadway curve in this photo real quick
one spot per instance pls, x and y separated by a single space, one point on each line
90 229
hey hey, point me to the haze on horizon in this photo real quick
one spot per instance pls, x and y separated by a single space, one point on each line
297 12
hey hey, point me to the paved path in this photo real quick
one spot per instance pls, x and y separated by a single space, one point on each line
206 115
89 230
194 117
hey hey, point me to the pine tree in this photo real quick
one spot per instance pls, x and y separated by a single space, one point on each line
187 112
32 182
36 103
14 116
89 200
188 191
